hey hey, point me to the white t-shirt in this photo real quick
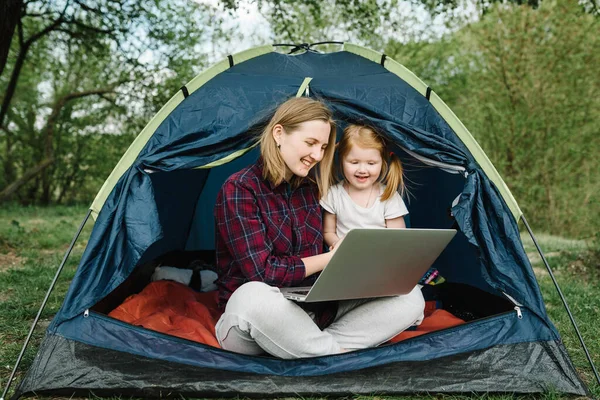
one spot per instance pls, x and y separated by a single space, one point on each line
350 215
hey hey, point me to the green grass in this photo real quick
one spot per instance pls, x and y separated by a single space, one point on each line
551 243
33 242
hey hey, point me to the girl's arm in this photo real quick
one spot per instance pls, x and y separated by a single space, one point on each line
329 229
395 223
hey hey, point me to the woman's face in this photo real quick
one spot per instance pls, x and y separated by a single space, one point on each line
303 148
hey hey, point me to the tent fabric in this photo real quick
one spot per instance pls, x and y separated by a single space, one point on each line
393 66
161 202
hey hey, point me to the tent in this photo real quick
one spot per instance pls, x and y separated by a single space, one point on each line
158 201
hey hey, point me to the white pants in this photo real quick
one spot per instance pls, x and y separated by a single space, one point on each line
259 319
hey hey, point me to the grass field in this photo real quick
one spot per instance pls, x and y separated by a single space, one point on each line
33 242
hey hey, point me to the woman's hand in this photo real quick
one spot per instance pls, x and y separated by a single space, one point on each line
318 263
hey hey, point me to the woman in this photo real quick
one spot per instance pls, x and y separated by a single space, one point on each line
269 235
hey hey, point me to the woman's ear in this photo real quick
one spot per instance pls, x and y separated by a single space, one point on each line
277 133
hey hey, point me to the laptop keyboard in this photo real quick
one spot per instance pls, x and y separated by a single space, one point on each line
298 291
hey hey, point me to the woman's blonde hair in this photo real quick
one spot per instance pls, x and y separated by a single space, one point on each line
391 170
290 115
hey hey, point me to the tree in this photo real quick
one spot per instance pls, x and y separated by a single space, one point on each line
9 16
370 22
367 22
74 59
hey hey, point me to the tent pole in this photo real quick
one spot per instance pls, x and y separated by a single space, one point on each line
37 317
563 299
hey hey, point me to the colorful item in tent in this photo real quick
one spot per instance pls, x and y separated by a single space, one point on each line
432 277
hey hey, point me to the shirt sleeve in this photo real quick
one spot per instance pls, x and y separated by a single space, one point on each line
395 207
243 231
328 202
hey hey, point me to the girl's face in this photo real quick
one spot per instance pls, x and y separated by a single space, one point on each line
362 167
303 148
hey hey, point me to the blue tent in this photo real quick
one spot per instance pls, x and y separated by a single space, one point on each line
159 200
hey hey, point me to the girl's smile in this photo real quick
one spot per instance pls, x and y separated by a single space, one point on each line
362 167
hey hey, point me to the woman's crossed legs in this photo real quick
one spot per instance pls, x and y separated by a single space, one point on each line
259 319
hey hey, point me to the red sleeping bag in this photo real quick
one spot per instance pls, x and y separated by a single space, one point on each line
175 309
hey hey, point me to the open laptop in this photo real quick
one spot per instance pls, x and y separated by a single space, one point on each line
375 263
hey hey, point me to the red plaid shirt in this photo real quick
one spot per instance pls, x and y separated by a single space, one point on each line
263 231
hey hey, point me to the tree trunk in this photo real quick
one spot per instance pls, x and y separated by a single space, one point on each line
10 13
16 72
27 176
12 84
45 199
8 163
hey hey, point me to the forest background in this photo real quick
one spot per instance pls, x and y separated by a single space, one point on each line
80 79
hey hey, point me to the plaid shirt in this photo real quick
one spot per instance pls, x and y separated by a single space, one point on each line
263 231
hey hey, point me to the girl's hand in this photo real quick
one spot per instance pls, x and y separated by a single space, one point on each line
336 244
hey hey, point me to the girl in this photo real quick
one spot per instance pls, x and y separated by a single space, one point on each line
368 196
269 235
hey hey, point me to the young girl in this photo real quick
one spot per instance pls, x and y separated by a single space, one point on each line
368 196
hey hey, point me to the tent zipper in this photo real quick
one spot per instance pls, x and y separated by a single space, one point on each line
86 313
517 305
512 300
453 169
518 310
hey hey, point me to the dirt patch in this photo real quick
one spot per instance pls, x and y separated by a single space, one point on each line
6 294
9 260
534 257
43 324
50 252
578 267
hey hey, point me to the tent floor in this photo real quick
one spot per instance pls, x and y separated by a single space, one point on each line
68 368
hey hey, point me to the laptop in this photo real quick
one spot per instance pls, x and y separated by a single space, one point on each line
375 263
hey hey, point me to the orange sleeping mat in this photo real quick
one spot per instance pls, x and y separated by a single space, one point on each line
175 309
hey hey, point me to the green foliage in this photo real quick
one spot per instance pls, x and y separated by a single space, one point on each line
522 81
340 20
592 257
367 22
532 104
